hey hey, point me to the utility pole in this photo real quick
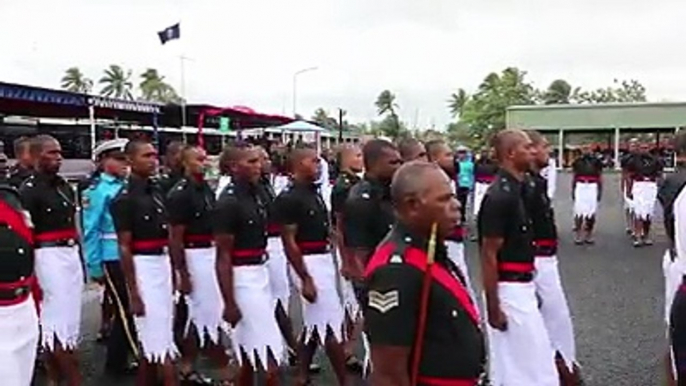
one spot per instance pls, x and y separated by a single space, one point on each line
341 113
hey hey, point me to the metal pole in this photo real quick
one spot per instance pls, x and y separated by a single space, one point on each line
340 126
295 87
617 141
561 148
91 114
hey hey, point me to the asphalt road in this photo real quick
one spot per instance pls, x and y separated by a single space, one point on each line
615 294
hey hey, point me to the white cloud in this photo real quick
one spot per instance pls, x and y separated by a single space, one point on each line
245 52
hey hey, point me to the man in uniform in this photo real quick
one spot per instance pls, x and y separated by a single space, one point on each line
521 352
173 171
23 168
626 175
304 220
140 219
412 149
452 349
440 154
645 170
102 252
239 223
189 205
351 165
277 263
587 189
672 196
50 201
553 302
485 170
18 318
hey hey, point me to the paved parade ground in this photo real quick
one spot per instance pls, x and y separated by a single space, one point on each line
615 293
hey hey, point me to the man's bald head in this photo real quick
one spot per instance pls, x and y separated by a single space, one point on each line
506 141
410 180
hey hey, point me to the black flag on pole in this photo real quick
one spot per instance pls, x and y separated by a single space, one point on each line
170 33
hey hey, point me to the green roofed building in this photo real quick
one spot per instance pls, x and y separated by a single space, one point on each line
615 120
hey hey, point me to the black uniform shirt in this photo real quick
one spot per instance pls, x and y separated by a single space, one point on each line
503 215
241 212
368 214
587 165
51 202
301 204
16 250
19 174
453 347
542 215
626 160
645 165
340 191
139 208
669 190
190 203
268 195
168 180
485 171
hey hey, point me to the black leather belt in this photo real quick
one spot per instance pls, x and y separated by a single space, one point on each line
248 261
151 251
8 295
519 277
55 243
198 245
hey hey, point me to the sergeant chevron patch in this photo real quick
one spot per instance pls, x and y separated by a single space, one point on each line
384 302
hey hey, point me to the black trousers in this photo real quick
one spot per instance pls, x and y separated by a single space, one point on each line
462 195
123 340
677 327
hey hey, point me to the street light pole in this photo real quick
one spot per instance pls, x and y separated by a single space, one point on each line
295 86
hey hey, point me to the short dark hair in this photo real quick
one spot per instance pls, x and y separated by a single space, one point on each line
298 152
233 152
432 147
134 145
408 180
373 150
37 142
535 136
680 143
21 145
503 141
406 146
175 147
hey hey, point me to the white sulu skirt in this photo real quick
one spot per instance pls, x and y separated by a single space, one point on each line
327 311
585 199
673 272
18 342
554 308
257 333
205 303
645 195
480 189
156 327
278 272
522 355
60 276
456 255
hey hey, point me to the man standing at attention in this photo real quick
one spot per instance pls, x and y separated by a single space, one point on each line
553 302
645 170
521 352
140 218
23 168
51 202
587 190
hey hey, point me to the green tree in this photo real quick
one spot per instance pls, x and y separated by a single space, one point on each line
117 83
75 81
321 117
625 91
154 88
559 92
457 101
484 112
386 105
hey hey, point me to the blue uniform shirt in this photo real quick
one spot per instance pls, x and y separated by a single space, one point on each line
465 176
99 236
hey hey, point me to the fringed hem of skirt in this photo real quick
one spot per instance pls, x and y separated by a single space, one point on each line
309 332
49 337
160 357
201 331
284 301
259 356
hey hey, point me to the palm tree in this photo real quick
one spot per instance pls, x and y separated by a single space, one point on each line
155 89
559 92
385 103
117 83
457 101
74 81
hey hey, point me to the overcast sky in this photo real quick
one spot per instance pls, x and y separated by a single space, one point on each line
244 52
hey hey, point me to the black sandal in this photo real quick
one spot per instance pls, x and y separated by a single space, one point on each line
194 378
